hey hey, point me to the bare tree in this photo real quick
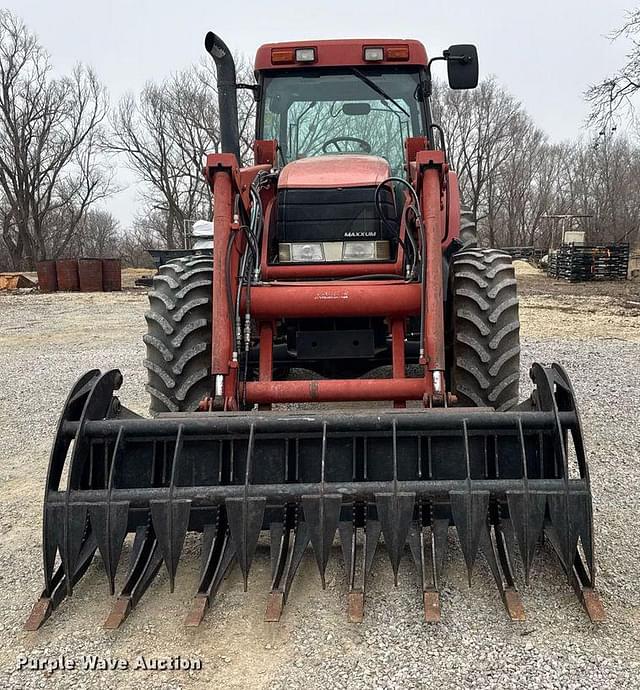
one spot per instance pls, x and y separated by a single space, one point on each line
615 93
144 233
164 133
481 130
512 177
98 235
49 143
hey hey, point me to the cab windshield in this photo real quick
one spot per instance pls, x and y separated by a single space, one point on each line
353 110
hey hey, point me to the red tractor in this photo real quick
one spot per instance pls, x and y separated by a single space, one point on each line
342 280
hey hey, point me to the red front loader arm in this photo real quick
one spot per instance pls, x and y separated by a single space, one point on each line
337 298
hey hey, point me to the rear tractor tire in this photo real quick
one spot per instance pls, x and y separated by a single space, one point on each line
468 229
486 329
178 338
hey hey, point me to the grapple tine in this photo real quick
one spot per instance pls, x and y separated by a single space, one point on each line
322 514
493 548
527 517
395 511
287 553
423 551
48 602
570 512
170 518
433 551
552 386
276 544
581 520
53 541
358 559
53 515
440 529
469 511
580 580
527 511
146 560
77 532
508 540
245 516
109 520
372 531
170 522
109 523
563 538
217 559
348 545
279 556
245 523
355 597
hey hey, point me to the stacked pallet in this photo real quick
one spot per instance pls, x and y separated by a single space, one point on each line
577 263
531 254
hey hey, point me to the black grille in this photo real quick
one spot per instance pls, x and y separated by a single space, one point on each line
326 215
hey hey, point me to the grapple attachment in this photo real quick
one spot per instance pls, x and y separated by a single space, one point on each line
503 479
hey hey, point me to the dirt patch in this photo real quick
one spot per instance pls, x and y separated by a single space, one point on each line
130 275
558 309
536 282
524 268
574 317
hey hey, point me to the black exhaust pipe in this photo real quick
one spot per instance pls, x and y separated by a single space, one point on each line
227 99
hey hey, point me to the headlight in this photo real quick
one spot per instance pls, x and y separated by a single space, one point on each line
358 251
307 252
334 252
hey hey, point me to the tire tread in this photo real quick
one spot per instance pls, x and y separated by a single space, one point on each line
486 332
178 338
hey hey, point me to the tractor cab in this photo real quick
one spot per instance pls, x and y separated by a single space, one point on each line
340 114
314 103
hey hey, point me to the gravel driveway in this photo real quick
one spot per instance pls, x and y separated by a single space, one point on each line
46 341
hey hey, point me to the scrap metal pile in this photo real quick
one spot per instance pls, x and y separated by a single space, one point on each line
577 263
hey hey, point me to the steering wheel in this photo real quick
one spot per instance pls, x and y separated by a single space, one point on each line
366 146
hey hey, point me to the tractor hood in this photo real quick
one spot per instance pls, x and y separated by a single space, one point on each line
331 199
331 172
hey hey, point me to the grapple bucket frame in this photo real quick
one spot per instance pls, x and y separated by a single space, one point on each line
502 479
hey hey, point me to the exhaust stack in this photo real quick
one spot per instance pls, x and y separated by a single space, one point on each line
227 100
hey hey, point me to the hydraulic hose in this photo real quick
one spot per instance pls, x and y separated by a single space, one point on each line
423 242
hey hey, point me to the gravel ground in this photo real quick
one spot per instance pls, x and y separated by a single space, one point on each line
47 341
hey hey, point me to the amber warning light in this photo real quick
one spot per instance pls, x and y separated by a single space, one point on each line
283 56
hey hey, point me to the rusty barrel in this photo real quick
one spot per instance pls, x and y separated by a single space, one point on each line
67 275
47 279
90 274
111 275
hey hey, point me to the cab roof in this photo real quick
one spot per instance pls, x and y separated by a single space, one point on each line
344 52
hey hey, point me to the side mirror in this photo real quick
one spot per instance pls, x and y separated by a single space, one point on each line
462 66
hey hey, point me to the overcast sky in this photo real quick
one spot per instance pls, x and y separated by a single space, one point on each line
545 52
